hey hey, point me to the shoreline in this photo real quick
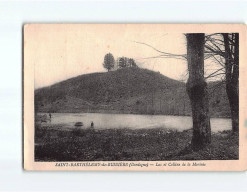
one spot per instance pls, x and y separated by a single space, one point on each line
221 117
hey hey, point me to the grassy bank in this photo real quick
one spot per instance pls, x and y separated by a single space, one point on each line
54 144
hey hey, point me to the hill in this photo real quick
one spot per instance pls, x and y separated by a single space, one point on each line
129 90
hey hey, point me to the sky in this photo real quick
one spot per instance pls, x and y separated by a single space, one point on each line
59 52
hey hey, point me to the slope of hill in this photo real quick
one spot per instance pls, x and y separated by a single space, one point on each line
130 90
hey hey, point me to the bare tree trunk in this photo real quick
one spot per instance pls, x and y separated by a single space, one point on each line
197 91
232 77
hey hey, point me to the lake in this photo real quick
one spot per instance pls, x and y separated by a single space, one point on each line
133 121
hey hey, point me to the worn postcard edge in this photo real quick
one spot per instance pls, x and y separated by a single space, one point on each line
210 165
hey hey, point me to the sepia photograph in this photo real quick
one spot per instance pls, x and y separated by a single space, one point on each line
123 96
131 94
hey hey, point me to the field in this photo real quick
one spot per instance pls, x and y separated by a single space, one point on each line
54 144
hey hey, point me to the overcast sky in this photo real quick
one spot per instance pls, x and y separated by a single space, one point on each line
59 52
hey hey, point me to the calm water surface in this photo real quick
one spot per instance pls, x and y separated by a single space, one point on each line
133 121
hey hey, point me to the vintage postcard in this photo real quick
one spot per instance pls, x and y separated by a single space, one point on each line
135 97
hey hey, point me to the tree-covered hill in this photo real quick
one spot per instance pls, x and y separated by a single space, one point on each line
129 90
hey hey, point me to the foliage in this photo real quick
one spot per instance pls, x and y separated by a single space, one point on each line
109 61
124 62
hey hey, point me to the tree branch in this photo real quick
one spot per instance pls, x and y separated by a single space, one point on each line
164 53
212 74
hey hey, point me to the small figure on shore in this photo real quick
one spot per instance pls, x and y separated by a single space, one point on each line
92 125
50 115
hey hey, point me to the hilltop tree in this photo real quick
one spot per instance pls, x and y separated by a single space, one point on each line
131 62
109 61
197 90
123 62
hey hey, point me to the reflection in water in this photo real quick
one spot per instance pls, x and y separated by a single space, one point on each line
133 121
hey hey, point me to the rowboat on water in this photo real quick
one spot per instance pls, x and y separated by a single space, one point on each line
78 124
